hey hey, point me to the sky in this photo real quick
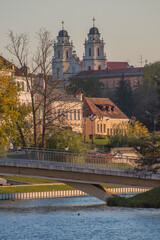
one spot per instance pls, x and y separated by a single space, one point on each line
130 28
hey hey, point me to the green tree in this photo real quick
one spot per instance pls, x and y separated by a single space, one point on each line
123 96
90 87
66 137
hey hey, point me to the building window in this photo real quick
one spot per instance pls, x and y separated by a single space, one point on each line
59 54
22 86
89 68
70 114
136 82
58 73
97 128
89 52
114 131
108 131
114 84
107 84
79 114
54 114
98 52
104 128
99 67
67 54
101 128
59 114
75 114
66 115
111 131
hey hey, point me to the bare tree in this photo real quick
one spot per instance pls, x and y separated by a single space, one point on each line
43 89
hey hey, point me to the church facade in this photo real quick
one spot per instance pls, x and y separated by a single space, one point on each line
65 62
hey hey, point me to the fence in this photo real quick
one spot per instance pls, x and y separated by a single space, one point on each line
66 193
93 159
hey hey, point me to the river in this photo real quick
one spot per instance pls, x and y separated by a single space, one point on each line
84 218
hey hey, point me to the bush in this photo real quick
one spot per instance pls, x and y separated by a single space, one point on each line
66 137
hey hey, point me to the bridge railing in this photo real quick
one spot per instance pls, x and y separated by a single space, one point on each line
89 160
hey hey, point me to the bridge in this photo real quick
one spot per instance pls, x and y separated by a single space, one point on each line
86 172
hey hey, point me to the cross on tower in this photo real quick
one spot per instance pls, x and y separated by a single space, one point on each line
93 21
62 25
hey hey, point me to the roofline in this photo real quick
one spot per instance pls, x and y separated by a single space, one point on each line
109 75
88 104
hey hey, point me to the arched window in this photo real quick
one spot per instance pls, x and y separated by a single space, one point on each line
98 52
59 54
89 52
99 67
58 73
67 54
89 68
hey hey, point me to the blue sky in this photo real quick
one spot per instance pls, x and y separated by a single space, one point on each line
130 28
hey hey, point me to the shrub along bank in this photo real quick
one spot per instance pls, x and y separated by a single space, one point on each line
149 199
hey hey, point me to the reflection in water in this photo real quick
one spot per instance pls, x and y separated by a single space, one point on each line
75 218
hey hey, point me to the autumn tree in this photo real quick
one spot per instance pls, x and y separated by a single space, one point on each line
8 109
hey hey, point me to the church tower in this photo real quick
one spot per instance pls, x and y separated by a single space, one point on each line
64 55
94 57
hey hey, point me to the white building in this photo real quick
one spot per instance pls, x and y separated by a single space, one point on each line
65 62
94 57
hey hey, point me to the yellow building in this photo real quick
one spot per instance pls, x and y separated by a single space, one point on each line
103 117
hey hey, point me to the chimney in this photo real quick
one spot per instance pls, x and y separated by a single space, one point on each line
79 96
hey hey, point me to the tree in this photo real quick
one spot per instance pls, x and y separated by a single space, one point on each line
90 87
39 83
8 109
123 96
65 137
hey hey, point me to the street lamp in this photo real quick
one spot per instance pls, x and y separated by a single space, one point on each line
92 117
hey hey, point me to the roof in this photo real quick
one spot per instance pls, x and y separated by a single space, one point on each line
117 65
59 95
93 30
111 73
103 107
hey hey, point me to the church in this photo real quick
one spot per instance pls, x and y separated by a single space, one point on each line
66 63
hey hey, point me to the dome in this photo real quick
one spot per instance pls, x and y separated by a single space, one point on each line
93 30
63 33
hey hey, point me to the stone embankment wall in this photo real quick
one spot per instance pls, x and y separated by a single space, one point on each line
66 193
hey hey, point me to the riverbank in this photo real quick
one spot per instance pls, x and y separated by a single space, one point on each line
149 199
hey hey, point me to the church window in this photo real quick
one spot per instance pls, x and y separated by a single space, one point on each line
99 67
67 54
89 68
89 52
59 54
58 73
98 52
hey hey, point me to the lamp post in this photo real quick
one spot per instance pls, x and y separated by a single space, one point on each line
92 117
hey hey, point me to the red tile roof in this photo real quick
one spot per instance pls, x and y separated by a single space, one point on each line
110 72
102 107
117 65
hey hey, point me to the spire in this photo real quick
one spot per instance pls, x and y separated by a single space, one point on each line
62 25
93 21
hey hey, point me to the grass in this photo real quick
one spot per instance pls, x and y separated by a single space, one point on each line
149 199
101 142
29 179
41 188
